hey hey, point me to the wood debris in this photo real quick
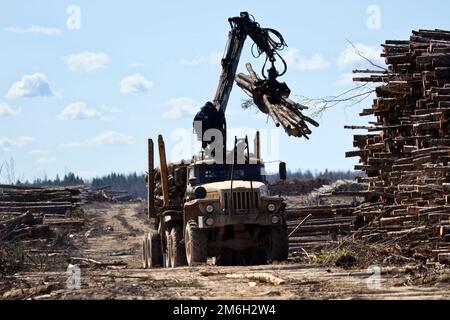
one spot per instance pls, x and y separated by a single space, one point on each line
263 277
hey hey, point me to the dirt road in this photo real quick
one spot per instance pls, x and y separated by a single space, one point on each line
113 237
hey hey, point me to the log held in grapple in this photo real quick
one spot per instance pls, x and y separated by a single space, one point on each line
272 98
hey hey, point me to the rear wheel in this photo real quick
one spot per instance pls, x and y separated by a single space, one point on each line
196 243
258 256
177 250
279 248
168 250
154 253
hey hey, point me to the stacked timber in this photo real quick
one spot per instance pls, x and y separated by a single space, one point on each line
407 151
34 226
314 229
176 192
51 201
107 194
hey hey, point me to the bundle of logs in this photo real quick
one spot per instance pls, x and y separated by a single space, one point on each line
407 161
272 98
176 193
315 229
15 200
106 194
23 226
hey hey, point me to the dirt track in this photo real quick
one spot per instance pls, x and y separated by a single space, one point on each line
113 235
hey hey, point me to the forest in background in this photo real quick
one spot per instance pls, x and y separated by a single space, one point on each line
134 183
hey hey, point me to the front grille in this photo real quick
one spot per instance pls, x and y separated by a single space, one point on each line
242 200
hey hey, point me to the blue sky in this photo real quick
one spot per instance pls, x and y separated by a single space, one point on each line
86 100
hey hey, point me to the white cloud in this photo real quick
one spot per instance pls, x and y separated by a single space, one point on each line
213 58
7 110
135 83
296 60
34 29
42 161
86 62
107 138
350 58
30 86
181 107
6 142
79 111
40 152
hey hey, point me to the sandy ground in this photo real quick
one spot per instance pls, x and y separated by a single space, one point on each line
113 235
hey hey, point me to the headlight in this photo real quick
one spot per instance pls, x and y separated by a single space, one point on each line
209 221
275 219
271 207
210 208
264 191
200 193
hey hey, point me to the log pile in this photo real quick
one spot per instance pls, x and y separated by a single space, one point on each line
407 151
176 193
313 229
24 226
272 98
106 194
35 224
52 201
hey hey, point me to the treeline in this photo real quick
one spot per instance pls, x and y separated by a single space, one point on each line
135 185
329 175
68 180
132 183
308 175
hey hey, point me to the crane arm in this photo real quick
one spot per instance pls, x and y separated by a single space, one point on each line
241 28
212 115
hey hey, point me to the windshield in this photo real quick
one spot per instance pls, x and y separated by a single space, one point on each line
222 172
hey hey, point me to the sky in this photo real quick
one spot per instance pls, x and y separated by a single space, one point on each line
83 84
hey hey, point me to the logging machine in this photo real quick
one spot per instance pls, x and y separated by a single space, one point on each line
217 204
267 42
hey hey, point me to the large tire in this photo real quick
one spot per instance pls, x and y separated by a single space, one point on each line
177 250
279 248
168 251
258 256
145 252
154 254
196 243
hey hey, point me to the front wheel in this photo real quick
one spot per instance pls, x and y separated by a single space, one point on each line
196 243
279 247
177 251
